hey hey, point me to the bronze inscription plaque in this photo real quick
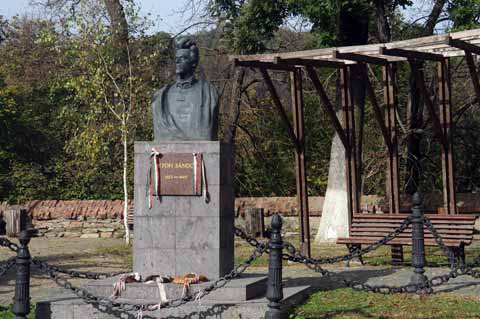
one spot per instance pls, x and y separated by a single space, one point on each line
179 174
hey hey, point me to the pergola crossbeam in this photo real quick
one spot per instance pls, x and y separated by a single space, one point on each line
446 45
328 63
411 54
364 58
464 45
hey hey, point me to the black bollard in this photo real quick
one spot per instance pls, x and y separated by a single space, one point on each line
274 283
21 300
418 242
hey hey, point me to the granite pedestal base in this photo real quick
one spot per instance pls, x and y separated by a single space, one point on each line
241 298
185 234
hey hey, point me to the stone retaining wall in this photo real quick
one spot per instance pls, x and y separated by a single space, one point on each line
104 218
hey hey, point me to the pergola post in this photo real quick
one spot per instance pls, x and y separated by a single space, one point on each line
448 169
350 153
391 105
300 166
393 192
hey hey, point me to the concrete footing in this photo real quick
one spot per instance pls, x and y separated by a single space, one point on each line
241 298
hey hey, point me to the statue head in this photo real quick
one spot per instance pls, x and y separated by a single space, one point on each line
186 57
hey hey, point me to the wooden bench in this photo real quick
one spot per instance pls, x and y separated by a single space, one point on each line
455 230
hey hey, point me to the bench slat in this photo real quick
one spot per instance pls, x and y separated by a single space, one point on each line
389 221
403 216
360 240
369 228
382 234
409 230
392 227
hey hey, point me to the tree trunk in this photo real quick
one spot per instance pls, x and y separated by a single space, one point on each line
125 179
383 27
233 110
433 17
119 26
415 113
352 30
334 221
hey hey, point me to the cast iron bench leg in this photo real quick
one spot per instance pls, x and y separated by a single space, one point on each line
354 248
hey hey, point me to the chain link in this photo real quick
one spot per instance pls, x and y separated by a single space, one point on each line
383 289
79 274
438 238
427 287
296 256
7 243
111 305
7 266
252 241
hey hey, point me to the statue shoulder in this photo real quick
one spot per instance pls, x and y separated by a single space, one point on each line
210 88
159 93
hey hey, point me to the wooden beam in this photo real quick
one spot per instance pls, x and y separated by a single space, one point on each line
263 65
328 106
411 54
300 165
376 109
464 45
348 106
278 106
473 74
359 58
430 43
418 73
391 105
318 63
448 163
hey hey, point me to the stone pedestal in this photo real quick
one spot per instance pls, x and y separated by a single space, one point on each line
184 234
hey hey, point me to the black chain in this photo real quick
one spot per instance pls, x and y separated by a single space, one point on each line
296 256
383 289
252 241
7 243
111 305
79 274
438 238
427 287
7 266
314 264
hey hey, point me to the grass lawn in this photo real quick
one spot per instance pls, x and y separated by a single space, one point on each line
378 257
347 303
6 313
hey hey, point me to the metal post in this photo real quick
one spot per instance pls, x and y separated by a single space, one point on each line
418 243
21 300
274 283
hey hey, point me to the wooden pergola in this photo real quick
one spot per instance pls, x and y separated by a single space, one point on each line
438 48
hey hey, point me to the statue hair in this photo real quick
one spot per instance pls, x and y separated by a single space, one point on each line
188 44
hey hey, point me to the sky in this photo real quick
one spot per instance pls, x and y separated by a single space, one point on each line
163 12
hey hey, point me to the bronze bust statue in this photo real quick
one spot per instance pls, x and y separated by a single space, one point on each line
188 109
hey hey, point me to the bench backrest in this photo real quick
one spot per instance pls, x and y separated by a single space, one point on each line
450 227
